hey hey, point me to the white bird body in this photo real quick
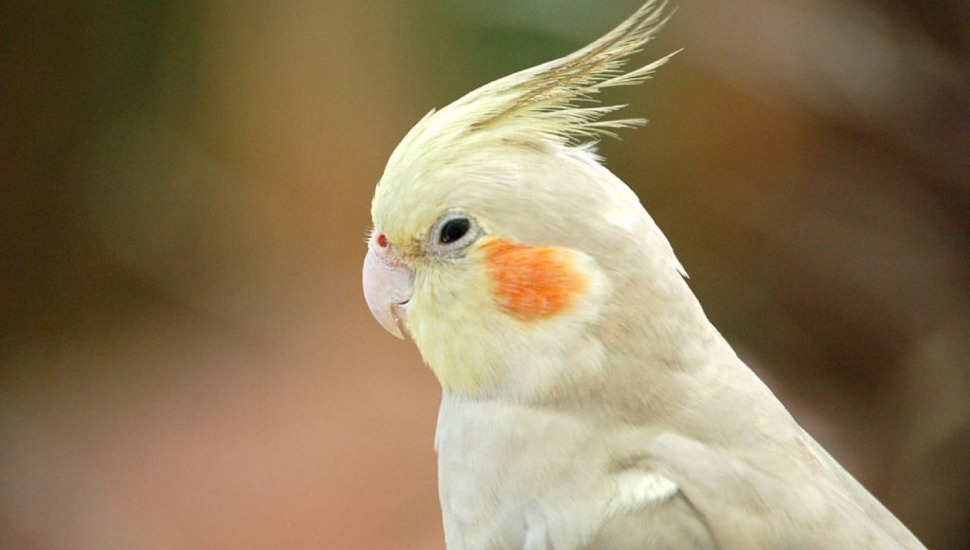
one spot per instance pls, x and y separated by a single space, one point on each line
588 401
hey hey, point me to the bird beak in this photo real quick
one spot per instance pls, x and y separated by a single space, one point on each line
387 288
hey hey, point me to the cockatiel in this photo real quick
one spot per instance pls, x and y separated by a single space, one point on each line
587 400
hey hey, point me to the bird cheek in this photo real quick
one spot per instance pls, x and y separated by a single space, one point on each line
534 283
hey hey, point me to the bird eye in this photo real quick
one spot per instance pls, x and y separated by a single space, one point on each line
453 230
452 234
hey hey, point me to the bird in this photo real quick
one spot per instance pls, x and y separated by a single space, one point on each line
587 400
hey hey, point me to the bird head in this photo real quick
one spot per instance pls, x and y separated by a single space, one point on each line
499 236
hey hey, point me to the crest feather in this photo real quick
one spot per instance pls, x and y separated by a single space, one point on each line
542 102
546 104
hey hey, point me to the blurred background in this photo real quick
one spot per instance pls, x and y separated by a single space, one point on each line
186 359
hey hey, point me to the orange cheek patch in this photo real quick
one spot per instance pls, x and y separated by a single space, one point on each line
533 282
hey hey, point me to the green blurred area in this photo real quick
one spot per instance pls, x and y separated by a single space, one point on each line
186 360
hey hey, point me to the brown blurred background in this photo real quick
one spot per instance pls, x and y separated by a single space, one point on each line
186 360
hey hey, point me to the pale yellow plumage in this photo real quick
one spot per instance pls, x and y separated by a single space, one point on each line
588 402
537 106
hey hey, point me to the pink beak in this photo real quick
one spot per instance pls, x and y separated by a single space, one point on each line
387 285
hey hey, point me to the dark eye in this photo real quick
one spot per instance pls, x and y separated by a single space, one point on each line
454 229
